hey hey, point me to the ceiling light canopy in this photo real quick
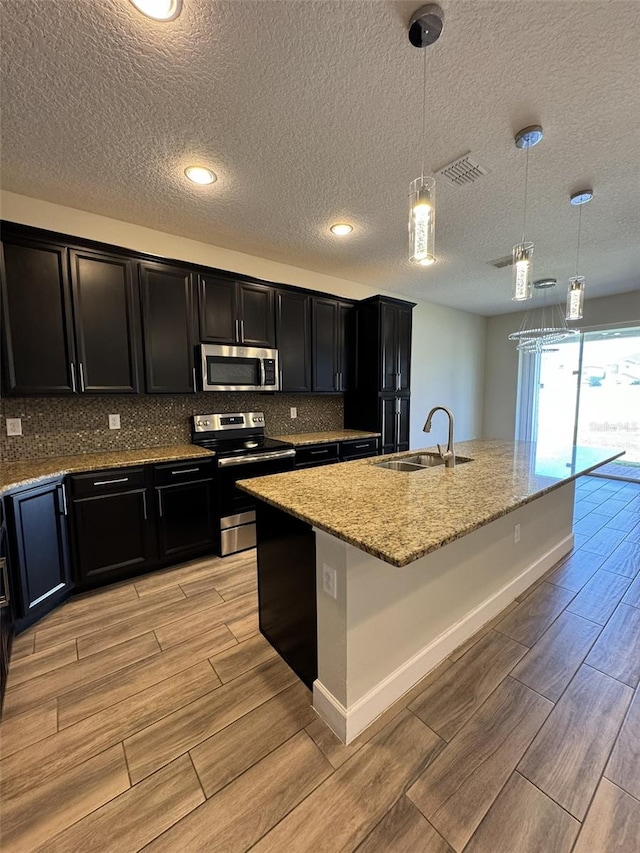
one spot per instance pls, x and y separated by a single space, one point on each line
523 251
200 175
341 229
159 10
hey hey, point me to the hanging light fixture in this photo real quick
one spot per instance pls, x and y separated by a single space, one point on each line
523 251
425 28
543 326
575 294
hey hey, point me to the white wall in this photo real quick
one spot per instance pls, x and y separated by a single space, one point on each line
501 363
448 345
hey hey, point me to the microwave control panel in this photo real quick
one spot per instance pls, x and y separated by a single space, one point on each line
269 371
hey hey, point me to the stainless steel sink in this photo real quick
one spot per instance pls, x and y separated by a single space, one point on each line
418 462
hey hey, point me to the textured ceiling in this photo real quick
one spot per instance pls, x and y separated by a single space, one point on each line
310 112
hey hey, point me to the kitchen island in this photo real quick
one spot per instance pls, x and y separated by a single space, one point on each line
390 571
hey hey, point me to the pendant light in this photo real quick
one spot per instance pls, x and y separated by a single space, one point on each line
425 28
543 324
575 294
523 251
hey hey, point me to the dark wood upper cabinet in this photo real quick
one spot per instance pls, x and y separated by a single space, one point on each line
234 312
106 323
293 336
331 370
38 332
169 329
395 350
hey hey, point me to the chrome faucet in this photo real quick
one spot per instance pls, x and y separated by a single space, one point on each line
448 455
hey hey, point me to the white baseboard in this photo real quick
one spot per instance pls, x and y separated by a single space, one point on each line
347 723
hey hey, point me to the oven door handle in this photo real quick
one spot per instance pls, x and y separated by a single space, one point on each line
258 457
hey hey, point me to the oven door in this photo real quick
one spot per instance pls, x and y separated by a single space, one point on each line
231 368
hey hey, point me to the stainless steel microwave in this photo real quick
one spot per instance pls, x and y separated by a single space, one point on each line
233 368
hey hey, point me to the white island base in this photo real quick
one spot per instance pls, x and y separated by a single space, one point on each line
388 627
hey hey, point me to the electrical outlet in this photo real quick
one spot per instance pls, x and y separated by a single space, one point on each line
294 412
14 426
114 421
330 581
516 534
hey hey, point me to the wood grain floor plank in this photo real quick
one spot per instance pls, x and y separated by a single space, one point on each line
235 570
242 657
67 678
605 541
245 627
30 820
137 816
171 632
88 602
449 702
634 535
632 595
114 687
574 572
624 764
625 520
156 581
39 663
236 817
599 597
236 590
464 648
524 820
164 614
625 560
21 731
613 822
342 811
617 649
227 754
457 789
65 749
23 645
161 742
528 622
403 828
591 524
569 754
553 661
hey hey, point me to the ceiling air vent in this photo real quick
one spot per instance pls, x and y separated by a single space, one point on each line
463 171
499 263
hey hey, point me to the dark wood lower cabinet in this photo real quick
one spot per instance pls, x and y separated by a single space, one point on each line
185 518
394 424
6 610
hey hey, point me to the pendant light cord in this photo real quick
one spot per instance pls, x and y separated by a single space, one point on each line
424 105
526 184
578 249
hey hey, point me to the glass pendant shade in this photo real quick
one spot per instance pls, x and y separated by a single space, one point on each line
521 283
422 220
575 298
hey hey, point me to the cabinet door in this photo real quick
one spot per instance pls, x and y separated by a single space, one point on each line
293 326
185 518
38 532
388 424
388 348
38 332
167 311
255 315
325 345
403 425
112 536
403 336
346 346
106 322
6 613
218 310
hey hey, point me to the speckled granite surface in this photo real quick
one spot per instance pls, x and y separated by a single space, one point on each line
303 438
399 517
14 474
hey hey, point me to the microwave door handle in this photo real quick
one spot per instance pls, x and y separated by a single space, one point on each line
263 375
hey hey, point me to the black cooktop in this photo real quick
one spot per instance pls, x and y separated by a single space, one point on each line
246 444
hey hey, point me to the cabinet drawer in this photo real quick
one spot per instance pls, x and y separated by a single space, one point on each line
316 454
358 448
184 470
104 482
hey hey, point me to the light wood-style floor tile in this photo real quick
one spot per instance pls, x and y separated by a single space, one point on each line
569 753
403 828
245 627
187 625
448 702
179 732
23 645
553 661
605 541
227 754
524 820
342 811
136 817
464 648
236 817
457 789
39 663
528 622
199 569
617 649
632 595
242 657
624 765
613 822
574 572
625 520
105 599
625 560
599 597
21 731
39 813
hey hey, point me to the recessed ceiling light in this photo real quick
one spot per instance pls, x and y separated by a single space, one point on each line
341 229
200 175
159 10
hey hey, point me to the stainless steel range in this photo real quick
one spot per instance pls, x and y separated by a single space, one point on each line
242 450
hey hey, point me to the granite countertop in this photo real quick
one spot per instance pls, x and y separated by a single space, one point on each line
302 438
16 474
399 517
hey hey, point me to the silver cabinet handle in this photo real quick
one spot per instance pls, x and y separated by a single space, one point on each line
194 380
73 377
185 471
108 482
241 331
81 370
159 503
238 330
64 499
6 598
317 452
360 446
144 505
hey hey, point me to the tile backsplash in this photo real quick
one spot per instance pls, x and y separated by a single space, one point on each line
54 426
